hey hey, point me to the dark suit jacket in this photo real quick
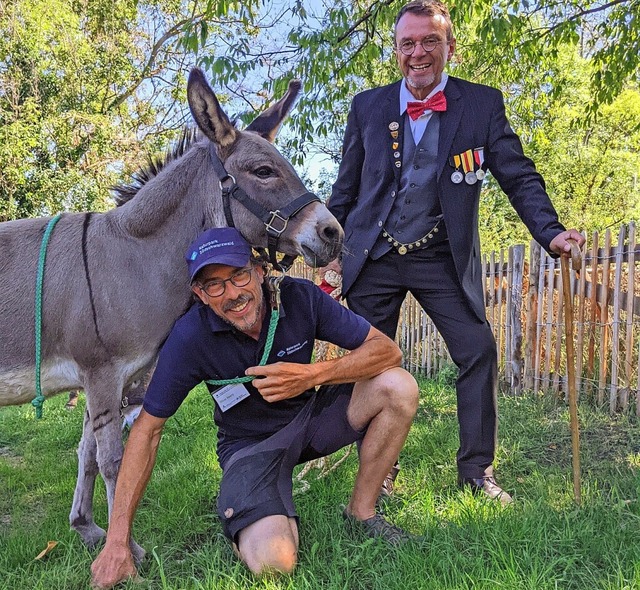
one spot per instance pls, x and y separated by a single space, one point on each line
368 179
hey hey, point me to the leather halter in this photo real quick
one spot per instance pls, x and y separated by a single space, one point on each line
275 222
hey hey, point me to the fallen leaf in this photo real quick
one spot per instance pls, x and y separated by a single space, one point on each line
47 550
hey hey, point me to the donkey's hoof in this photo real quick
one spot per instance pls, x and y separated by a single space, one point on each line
137 552
91 536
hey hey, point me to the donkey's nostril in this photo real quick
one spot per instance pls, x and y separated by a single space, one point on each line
329 232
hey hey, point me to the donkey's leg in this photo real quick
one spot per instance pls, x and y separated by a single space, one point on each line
81 517
103 405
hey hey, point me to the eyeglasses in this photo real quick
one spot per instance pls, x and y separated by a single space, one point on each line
408 47
215 287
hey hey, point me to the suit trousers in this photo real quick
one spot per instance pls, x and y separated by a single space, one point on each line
430 275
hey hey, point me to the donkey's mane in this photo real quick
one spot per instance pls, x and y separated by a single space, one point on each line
123 193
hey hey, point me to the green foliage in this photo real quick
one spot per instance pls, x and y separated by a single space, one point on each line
590 164
87 89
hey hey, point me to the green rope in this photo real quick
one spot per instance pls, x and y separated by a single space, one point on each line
38 402
273 323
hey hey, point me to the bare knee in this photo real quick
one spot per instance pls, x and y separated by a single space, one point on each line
271 557
399 389
393 393
270 545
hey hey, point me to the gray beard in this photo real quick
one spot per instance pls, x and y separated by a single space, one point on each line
246 326
430 80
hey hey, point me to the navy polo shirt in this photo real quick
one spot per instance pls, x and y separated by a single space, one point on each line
201 346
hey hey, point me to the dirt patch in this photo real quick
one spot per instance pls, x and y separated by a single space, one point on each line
9 457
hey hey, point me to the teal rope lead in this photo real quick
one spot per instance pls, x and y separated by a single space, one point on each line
38 402
273 324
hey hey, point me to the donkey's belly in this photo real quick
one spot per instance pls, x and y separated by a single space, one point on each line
18 386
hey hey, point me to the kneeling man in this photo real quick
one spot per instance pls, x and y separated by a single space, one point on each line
291 411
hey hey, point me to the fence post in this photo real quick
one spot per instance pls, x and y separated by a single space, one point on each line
531 329
615 331
604 319
515 318
550 268
582 295
629 349
593 301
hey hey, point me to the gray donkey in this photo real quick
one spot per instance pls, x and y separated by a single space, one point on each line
94 338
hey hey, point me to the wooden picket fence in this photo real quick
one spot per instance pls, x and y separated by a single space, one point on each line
524 300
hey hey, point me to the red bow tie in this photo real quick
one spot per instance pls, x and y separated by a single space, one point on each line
438 102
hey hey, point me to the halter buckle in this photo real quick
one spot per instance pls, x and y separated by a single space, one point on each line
276 217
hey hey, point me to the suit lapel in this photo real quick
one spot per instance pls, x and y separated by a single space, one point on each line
392 118
449 122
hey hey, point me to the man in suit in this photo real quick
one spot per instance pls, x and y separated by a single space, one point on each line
414 156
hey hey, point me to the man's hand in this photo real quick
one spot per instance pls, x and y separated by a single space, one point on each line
112 566
281 381
560 245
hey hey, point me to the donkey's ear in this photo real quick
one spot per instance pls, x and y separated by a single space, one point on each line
268 123
207 112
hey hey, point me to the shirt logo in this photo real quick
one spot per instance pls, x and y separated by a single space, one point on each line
291 349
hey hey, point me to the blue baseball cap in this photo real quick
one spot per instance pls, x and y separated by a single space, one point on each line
221 245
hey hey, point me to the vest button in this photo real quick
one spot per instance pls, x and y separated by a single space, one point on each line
379 223
366 252
413 185
415 166
393 193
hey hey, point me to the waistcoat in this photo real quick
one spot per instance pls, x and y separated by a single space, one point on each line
416 208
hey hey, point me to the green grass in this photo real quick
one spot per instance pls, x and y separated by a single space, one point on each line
542 541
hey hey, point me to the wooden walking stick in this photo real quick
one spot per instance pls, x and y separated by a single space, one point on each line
576 260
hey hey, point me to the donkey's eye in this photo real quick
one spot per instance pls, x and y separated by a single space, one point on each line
264 172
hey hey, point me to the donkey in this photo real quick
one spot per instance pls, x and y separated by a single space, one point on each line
95 339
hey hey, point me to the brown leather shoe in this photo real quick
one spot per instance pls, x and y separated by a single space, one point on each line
486 485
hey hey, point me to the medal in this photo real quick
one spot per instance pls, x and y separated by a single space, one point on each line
396 154
394 126
457 176
478 156
470 178
402 250
398 164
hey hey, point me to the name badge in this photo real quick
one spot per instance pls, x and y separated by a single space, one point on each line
229 395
